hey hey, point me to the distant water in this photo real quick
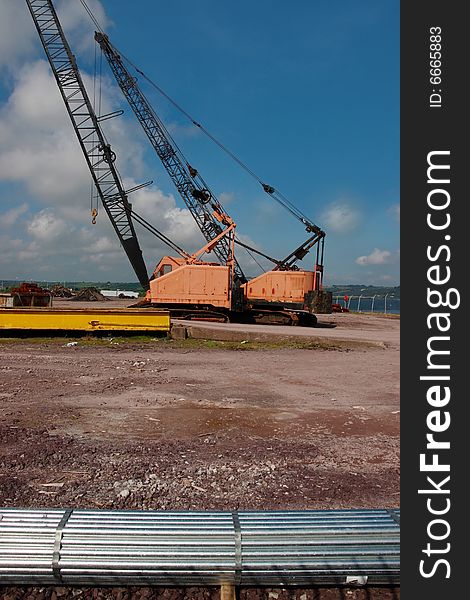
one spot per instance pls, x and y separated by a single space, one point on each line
368 304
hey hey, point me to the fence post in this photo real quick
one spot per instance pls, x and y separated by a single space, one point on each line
386 303
359 304
373 301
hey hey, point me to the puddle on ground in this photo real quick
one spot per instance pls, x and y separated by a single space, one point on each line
195 421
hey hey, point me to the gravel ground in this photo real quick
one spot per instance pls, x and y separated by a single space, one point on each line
61 593
125 423
194 593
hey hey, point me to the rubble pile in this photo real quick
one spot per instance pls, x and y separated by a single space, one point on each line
59 291
90 294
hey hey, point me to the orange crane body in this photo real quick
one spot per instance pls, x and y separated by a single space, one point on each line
179 284
176 282
280 286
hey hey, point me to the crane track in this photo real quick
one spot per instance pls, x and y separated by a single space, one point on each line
292 318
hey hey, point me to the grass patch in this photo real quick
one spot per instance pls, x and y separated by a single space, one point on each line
244 346
166 343
82 339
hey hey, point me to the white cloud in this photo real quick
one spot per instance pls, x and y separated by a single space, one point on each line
74 18
47 227
31 102
18 36
40 149
376 257
161 210
340 217
60 242
16 32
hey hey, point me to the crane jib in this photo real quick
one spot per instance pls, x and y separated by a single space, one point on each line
180 172
97 152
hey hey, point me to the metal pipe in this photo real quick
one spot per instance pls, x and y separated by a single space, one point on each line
266 548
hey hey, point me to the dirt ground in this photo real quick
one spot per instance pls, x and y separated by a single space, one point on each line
157 424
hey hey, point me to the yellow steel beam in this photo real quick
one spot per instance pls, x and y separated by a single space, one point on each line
117 319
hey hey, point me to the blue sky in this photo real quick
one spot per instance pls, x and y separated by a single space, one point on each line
306 93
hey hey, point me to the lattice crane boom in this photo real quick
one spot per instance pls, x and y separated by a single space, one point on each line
98 154
203 205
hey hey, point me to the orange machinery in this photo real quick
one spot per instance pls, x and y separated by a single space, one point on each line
203 290
188 285
196 289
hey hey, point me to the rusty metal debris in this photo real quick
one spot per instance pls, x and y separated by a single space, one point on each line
30 294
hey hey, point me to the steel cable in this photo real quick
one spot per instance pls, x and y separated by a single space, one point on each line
275 194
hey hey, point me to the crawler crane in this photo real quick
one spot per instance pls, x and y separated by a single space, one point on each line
187 285
282 294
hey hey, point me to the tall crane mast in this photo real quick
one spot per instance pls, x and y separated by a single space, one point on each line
201 202
98 154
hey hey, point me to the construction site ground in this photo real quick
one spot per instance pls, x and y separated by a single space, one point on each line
307 420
